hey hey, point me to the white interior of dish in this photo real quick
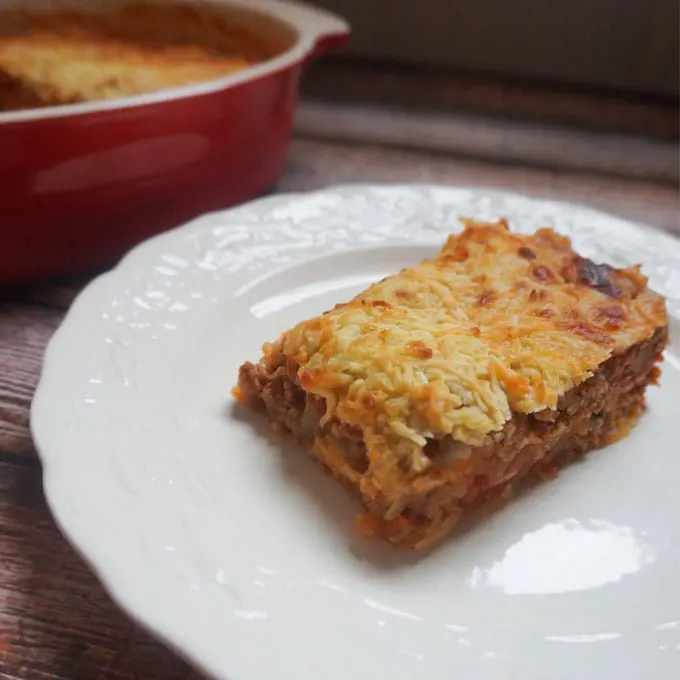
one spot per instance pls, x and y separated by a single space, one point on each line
293 25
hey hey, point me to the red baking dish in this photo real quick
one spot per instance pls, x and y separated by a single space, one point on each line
81 183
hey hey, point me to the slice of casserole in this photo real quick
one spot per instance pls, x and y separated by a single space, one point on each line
438 389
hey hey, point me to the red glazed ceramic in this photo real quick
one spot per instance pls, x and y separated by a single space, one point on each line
80 184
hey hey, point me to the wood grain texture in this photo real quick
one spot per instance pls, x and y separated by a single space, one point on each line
518 142
24 332
316 163
342 79
56 622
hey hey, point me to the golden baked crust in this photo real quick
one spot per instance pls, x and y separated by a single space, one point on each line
438 388
495 323
67 57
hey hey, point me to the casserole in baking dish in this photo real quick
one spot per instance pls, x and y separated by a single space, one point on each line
117 124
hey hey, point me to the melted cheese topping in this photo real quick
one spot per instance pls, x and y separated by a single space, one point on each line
495 323
65 57
86 70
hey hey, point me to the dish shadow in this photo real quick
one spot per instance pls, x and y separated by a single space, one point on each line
338 503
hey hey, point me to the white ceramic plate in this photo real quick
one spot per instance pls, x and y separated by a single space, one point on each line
244 559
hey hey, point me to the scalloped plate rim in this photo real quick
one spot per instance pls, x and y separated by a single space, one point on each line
121 589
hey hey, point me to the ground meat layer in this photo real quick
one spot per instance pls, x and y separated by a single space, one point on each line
417 510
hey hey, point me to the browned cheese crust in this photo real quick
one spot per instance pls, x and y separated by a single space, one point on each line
541 393
65 57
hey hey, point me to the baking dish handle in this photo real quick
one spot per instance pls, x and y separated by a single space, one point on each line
323 31
328 43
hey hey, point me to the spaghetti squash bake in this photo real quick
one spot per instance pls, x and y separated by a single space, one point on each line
67 57
437 391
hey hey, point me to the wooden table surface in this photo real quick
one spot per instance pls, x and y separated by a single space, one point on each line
56 621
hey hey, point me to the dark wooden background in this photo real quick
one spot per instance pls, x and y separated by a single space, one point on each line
56 621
